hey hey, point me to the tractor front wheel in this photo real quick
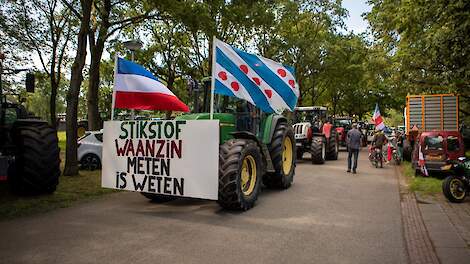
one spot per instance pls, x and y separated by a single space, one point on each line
318 150
240 171
282 151
333 147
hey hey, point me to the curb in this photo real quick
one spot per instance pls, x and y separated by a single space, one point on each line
418 243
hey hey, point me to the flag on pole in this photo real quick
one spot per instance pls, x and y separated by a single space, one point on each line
267 84
377 118
137 88
422 162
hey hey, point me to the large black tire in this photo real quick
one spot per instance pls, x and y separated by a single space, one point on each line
449 186
332 148
158 198
283 138
318 150
36 168
232 155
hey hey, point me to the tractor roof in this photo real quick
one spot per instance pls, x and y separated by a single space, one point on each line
310 108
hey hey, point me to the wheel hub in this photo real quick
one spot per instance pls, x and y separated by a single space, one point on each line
248 175
287 156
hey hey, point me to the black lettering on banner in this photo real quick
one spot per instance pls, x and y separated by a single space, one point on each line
131 124
151 183
159 184
131 165
166 187
122 176
177 185
140 165
178 129
152 132
165 166
124 130
139 185
155 167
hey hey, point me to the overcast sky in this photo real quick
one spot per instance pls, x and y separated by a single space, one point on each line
356 8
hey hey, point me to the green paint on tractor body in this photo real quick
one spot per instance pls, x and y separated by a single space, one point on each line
228 125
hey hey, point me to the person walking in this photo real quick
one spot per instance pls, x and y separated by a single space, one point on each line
353 141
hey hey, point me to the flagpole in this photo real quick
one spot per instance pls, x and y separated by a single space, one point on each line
212 79
113 101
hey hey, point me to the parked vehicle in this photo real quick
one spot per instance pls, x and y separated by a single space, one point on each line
315 134
438 147
423 113
457 186
90 147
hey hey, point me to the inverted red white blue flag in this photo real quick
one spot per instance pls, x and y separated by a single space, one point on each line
137 88
377 118
267 84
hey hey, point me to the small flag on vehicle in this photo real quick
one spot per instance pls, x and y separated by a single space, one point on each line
377 118
267 84
422 162
137 88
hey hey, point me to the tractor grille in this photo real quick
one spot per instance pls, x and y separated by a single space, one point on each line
298 128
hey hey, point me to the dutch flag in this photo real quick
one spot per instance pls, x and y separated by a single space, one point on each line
267 84
377 118
137 88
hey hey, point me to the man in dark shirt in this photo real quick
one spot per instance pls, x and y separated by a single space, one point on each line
353 141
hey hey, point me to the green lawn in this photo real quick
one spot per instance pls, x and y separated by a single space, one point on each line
424 185
71 190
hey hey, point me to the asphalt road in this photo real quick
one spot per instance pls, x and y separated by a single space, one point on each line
327 216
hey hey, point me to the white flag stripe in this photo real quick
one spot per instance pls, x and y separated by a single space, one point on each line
138 83
233 56
275 66
241 93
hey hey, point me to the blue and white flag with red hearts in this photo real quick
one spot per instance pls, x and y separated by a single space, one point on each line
267 84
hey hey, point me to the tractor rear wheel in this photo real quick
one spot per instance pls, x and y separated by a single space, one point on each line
333 147
318 150
36 168
282 151
240 172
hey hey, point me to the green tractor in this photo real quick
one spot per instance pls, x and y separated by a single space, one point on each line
255 148
29 152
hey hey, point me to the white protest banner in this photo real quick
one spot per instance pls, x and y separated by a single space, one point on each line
169 157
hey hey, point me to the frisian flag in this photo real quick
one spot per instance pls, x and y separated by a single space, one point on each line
267 84
137 88
377 118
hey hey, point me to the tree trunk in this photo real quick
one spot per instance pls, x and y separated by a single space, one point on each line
71 163
94 122
96 49
52 102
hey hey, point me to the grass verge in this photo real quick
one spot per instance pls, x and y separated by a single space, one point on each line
424 185
71 190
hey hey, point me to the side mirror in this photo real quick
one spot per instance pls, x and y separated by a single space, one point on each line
30 79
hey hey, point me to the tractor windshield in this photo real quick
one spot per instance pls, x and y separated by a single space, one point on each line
309 116
343 122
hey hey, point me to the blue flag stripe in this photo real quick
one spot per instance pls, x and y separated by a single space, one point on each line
220 88
269 77
256 94
129 67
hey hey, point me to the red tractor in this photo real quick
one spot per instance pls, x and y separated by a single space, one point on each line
343 125
314 133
